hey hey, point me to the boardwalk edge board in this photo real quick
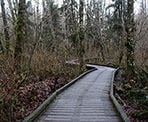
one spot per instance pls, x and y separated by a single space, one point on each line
37 112
116 103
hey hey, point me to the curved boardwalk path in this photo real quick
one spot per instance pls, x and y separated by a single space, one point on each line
87 100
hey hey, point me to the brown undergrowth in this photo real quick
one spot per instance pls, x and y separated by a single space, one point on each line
21 93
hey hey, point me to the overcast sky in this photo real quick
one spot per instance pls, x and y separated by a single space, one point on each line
137 3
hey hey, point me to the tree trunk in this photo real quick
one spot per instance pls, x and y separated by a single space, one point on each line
1 47
11 10
5 24
81 37
20 34
130 44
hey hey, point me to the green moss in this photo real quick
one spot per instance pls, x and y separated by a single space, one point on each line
120 90
143 114
127 86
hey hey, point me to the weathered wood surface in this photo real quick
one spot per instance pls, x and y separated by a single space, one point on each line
85 101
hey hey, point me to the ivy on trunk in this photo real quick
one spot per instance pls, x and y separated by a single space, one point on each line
20 34
130 41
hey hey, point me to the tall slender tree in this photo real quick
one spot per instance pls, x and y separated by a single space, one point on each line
118 28
5 24
70 12
1 47
50 23
81 36
12 10
130 41
144 6
95 26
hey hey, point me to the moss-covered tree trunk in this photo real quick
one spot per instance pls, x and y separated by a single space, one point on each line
81 38
5 25
20 34
1 47
130 42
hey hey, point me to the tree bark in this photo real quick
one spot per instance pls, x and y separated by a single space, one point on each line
1 47
5 24
20 34
11 10
81 37
130 44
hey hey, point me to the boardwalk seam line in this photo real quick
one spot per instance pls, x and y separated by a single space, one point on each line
37 112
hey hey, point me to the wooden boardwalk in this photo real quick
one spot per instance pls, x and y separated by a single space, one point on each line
85 101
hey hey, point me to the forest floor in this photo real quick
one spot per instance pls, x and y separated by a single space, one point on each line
32 95
20 98
133 97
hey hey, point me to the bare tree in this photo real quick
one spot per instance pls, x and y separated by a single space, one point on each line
12 10
95 26
50 23
70 12
141 35
5 24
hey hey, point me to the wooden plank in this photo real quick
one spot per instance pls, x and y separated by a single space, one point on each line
85 101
